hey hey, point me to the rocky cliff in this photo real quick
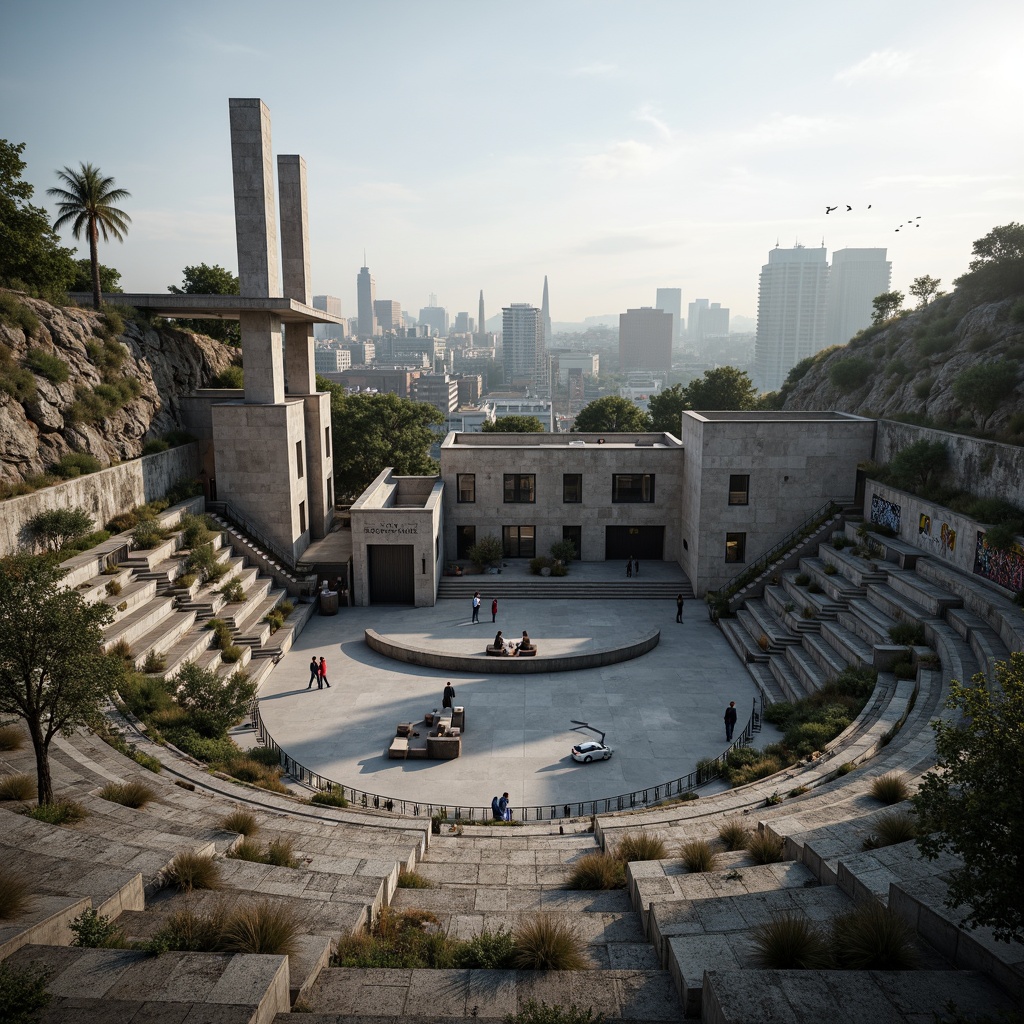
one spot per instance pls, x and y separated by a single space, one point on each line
72 380
909 367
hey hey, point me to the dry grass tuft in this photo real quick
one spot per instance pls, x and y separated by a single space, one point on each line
639 846
597 871
764 848
11 737
241 821
190 870
733 834
698 855
17 787
16 895
128 794
789 942
891 788
544 944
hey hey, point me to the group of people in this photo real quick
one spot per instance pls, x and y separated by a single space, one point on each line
318 674
500 810
632 567
477 601
513 647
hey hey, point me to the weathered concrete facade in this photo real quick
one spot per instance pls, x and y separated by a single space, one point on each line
398 512
788 465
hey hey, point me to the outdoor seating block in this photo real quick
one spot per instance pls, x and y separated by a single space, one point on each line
399 749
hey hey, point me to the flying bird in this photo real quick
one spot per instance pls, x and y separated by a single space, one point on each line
848 208
829 209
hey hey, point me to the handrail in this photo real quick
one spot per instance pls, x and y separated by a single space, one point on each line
705 772
755 568
237 519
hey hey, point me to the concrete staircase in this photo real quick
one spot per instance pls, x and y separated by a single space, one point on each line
554 587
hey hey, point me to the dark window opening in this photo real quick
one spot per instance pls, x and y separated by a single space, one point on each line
572 488
735 547
519 541
739 489
632 487
520 488
467 487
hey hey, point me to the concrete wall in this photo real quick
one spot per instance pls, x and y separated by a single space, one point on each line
490 456
795 462
985 468
103 495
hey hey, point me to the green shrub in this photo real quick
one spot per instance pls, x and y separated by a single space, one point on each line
851 373
1003 536
190 931
597 871
540 1013
488 951
183 490
16 895
398 939
486 551
564 551
191 870
559 569
75 464
194 531
640 846
11 737
903 668
203 562
698 855
548 944
275 620
23 993
413 880
128 794
891 828
112 322
240 821
790 942
935 344
47 365
830 569
155 446
233 591
814 588
907 634
17 314
332 797
540 562
60 812
147 535
872 938
891 788
733 834
154 663
765 848
232 377
801 579
17 787
285 607
93 930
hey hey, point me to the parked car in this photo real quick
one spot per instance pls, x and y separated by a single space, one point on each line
591 751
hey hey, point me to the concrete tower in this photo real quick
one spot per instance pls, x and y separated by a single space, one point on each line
522 333
645 340
366 292
856 277
545 312
671 301
481 323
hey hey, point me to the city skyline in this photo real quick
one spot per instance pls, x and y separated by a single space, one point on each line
604 161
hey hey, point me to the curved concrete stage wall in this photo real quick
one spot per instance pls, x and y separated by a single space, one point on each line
483 665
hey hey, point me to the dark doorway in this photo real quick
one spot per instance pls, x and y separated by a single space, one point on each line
465 538
647 543
575 534
391 574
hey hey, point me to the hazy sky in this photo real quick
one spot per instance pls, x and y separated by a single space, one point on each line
614 146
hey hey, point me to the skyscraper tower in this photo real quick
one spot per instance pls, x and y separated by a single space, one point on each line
481 325
856 277
671 301
545 312
645 340
790 312
366 293
522 333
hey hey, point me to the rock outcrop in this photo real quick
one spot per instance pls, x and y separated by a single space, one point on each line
37 431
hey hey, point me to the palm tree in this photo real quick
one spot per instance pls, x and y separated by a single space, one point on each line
87 202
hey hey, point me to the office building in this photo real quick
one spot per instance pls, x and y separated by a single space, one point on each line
437 389
464 324
709 323
388 313
522 345
790 312
435 318
567 360
856 277
366 293
645 340
331 360
361 353
328 332
670 300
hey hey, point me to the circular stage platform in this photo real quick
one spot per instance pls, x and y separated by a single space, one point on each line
661 711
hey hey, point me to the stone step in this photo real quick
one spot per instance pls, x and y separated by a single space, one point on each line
847 644
163 636
824 655
189 647
895 605
924 594
852 567
836 586
132 595
789 682
788 612
129 628
563 587
261 600
868 875
94 588
776 632
494 898
766 683
752 627
986 644
149 558
958 661
741 641
811 675
47 921
868 621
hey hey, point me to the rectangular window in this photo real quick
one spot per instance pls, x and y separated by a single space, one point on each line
520 488
735 547
574 534
465 538
739 489
298 458
467 487
519 541
302 517
632 487
330 492
572 488
327 441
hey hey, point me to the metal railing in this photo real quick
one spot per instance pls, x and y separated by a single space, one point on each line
706 771
751 572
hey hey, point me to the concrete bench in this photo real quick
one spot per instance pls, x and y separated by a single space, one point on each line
500 652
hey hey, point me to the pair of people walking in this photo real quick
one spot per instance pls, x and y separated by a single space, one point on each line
500 810
318 674
477 601
632 567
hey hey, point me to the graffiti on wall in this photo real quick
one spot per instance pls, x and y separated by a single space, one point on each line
886 513
1005 567
941 541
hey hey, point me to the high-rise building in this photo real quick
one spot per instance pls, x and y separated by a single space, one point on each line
328 332
670 300
332 360
645 340
481 323
545 313
388 313
856 277
709 321
435 318
693 314
463 324
522 332
790 312
366 292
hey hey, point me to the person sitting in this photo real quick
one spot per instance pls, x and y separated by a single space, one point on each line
524 644
499 643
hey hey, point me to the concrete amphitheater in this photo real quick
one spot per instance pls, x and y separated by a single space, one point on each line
672 945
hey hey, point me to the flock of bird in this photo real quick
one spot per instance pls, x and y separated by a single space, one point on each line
849 209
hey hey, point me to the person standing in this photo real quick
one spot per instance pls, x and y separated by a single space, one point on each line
494 610
503 808
449 696
629 567
679 607
476 606
322 675
495 810
314 672
730 720
636 566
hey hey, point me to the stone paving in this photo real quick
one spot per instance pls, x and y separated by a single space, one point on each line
662 712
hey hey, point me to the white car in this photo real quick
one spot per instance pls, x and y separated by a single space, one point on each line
591 751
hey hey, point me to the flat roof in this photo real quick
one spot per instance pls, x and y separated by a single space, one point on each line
215 307
769 416
495 439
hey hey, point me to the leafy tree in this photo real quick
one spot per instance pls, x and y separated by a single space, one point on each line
919 465
972 803
984 387
514 425
110 279
997 269
486 551
374 431
924 289
87 204
213 704
53 672
31 256
724 387
612 414
666 408
56 526
886 306
206 280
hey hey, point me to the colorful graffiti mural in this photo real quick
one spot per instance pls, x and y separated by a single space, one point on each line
942 543
886 513
1005 567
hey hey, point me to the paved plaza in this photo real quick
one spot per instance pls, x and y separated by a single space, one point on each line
662 712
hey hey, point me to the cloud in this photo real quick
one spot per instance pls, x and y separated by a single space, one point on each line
594 71
879 64
622 158
647 116
785 129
